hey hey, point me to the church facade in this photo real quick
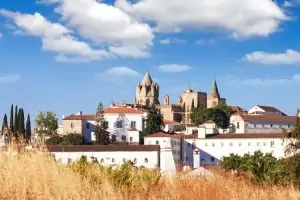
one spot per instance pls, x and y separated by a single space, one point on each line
147 94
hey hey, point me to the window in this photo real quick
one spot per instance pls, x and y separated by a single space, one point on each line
119 124
222 144
186 158
212 159
249 143
263 125
134 160
213 144
194 144
279 125
130 139
124 159
87 125
257 144
112 160
231 144
102 160
238 125
123 138
240 144
188 144
113 138
72 125
282 143
132 124
157 142
146 160
289 125
271 125
264 143
69 160
272 144
254 125
206 144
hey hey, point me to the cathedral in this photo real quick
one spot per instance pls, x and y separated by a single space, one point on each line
147 94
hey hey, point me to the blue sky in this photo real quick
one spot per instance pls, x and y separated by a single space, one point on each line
66 55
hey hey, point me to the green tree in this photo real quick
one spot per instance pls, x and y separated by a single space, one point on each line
72 139
11 121
4 124
21 123
192 105
220 115
54 140
154 121
16 120
293 138
102 135
28 128
46 123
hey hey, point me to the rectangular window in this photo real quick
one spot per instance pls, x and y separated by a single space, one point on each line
146 160
102 160
249 143
238 125
213 144
130 139
240 144
231 144
272 144
264 143
271 125
263 125
206 144
69 160
254 125
113 160
133 124
119 124
222 144
157 142
258 144
134 160
87 125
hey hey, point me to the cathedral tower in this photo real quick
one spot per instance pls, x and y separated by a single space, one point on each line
147 92
214 98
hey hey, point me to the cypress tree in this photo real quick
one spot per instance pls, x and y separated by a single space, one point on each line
16 126
21 124
28 128
4 124
11 121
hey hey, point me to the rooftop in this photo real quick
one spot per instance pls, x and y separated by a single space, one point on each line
80 117
268 118
103 148
238 136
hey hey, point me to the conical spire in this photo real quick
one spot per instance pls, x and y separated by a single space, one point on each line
147 79
214 89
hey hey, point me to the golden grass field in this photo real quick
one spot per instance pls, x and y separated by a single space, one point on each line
36 175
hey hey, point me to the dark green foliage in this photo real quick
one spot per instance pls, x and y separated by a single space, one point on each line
16 126
193 105
54 140
11 121
102 135
4 123
72 139
263 168
154 121
220 115
28 128
21 123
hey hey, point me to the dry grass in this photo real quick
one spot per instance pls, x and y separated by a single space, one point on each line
37 176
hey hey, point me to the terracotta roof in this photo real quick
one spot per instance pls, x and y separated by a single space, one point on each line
100 148
268 118
122 110
209 122
237 109
161 134
237 136
170 122
80 117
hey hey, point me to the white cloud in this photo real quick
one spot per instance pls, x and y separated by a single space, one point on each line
291 3
1 35
173 40
173 68
239 18
122 71
263 82
208 41
289 57
10 78
106 24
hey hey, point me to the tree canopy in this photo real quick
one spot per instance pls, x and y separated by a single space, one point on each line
46 123
220 115
102 135
154 121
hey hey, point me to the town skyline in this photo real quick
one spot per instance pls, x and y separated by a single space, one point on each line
252 66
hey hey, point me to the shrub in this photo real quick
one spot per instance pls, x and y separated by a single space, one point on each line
72 139
54 140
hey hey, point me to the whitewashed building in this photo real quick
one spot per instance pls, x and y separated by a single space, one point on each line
265 110
110 155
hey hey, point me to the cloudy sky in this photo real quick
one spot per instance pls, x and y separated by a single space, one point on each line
67 55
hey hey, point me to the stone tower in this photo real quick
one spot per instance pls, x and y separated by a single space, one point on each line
214 99
147 92
166 100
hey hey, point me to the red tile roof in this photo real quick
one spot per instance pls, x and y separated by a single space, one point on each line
209 122
238 136
170 122
123 110
80 117
161 134
268 118
237 109
271 109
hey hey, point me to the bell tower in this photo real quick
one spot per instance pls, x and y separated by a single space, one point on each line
147 92
213 98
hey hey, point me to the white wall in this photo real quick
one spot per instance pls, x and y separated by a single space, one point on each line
239 125
112 119
107 157
217 148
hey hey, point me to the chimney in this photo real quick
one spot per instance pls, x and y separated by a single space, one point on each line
201 132
196 158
